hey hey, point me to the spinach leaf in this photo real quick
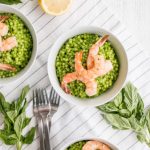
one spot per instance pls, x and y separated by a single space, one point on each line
28 138
117 121
18 125
10 2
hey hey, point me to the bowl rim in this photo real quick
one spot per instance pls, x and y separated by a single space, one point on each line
70 142
26 69
52 70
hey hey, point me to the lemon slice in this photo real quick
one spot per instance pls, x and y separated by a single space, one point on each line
55 7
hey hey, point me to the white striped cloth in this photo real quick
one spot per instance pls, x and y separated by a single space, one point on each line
72 121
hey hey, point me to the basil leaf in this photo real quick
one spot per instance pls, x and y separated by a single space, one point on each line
24 106
8 139
130 96
18 125
109 107
19 104
125 113
12 115
26 122
10 2
117 121
139 111
28 139
4 106
118 99
7 125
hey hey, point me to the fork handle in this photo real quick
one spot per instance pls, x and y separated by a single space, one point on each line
47 135
40 130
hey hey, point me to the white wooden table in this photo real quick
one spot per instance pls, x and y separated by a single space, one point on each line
135 14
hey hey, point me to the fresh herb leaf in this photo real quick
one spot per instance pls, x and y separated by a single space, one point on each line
26 122
108 108
4 106
117 121
126 111
15 121
118 100
19 103
130 97
10 2
8 139
12 115
18 125
28 138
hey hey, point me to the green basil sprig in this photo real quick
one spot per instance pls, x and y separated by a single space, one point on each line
15 121
10 2
126 112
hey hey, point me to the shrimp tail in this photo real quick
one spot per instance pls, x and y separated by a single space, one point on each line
67 79
94 51
78 62
7 67
3 18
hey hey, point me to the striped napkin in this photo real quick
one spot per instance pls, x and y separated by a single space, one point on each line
71 121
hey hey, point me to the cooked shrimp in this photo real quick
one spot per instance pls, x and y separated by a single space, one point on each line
3 26
101 67
95 145
94 51
3 18
91 88
8 44
67 79
3 29
7 67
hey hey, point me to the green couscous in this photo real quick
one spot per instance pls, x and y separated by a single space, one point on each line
65 63
18 56
77 145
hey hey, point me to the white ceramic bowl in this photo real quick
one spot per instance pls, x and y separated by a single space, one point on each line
112 146
109 94
8 9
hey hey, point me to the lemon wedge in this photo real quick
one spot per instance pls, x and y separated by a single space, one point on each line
55 7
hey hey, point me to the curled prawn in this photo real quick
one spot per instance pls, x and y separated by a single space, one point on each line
94 51
3 26
7 67
8 44
67 79
87 76
95 145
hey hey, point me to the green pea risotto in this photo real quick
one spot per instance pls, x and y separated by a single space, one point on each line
20 55
76 146
65 63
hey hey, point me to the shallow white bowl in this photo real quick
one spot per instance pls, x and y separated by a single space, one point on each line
112 146
8 9
109 94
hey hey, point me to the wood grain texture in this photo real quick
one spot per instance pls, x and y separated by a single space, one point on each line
135 14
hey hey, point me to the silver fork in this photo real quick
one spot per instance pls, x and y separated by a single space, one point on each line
54 99
39 119
44 110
